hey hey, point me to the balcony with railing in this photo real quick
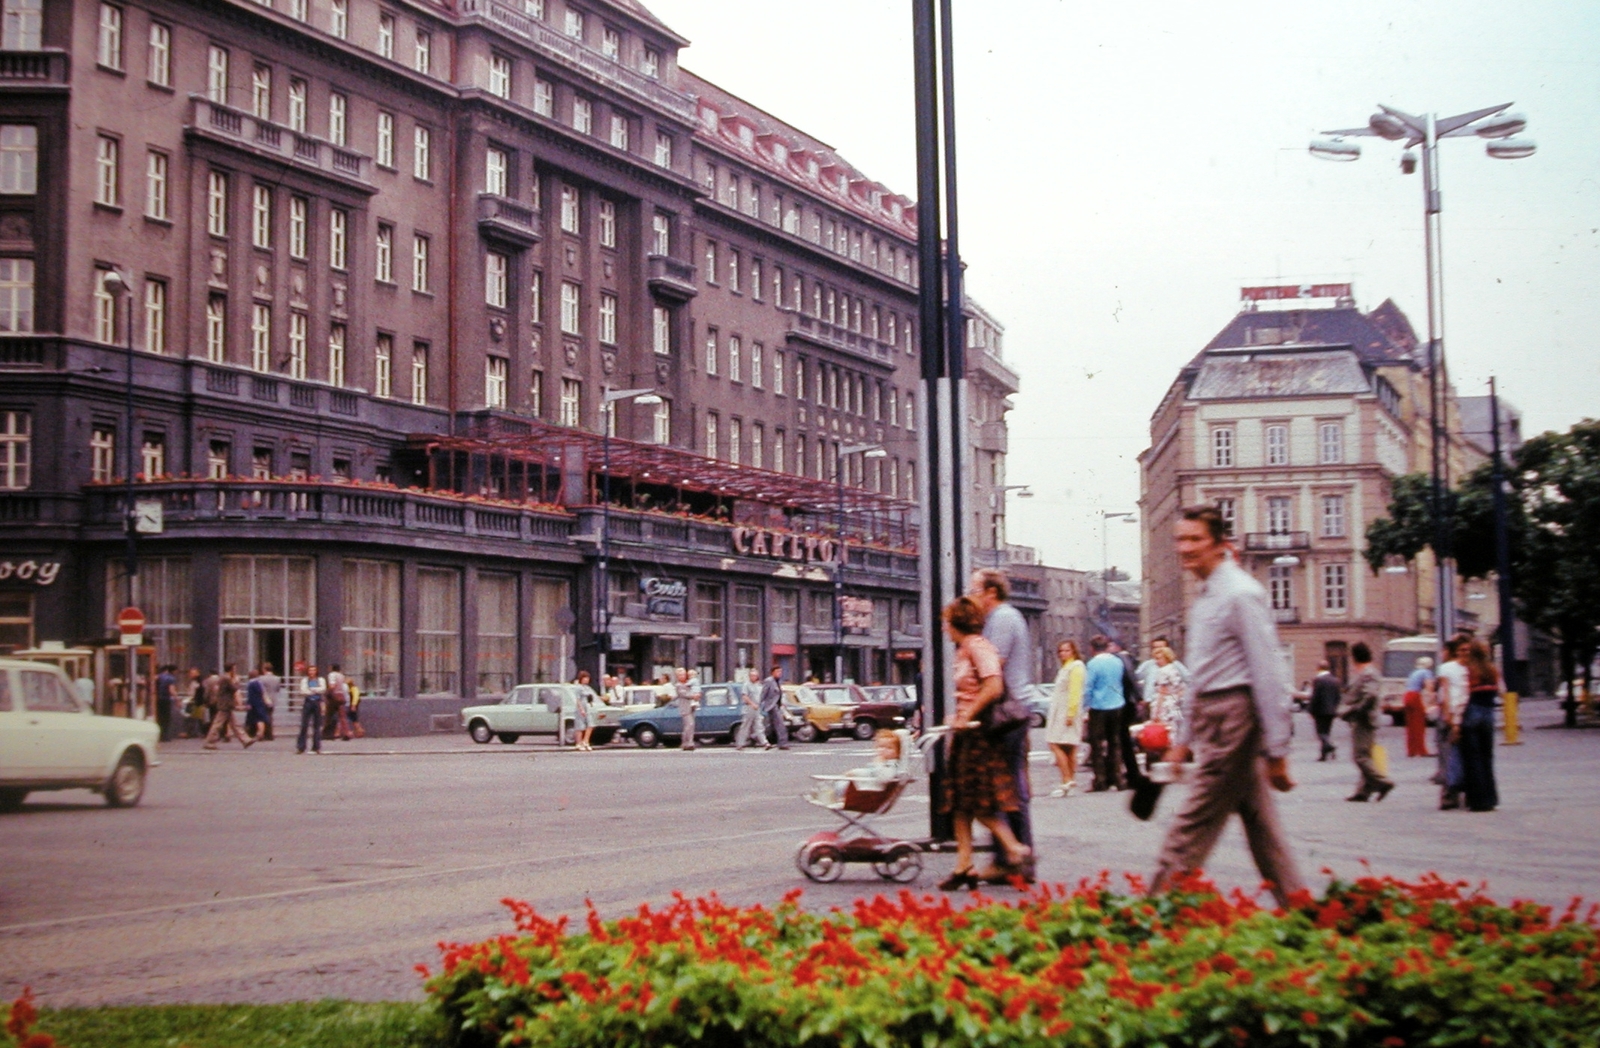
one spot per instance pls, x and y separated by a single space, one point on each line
672 278
241 130
502 218
575 55
34 69
1276 541
197 506
817 332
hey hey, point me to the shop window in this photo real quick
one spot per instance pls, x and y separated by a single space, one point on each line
268 611
497 633
371 626
438 631
747 632
162 591
551 647
16 621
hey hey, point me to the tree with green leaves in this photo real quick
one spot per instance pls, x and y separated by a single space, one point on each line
1553 519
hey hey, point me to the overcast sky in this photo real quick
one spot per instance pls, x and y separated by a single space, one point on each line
1126 167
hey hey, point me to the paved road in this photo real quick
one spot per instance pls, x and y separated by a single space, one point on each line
266 876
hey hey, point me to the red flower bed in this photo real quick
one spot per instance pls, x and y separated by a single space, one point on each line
1374 962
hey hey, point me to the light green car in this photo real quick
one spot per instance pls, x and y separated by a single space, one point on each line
540 709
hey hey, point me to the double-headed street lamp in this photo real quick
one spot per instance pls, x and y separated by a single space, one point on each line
602 580
997 500
866 451
121 292
1499 127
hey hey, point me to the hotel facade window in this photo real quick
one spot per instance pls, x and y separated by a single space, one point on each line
536 393
217 204
662 423
496 279
109 52
494 381
571 402
102 454
608 318
544 98
16 295
260 337
385 151
298 324
419 263
261 92
419 373
336 355
155 316
711 350
384 254
1280 586
217 74
158 55
583 116
661 234
608 224
422 154
16 450
216 328
297 105
261 216
422 56
661 330
383 366
339 18
338 119
663 153
108 156
571 308
386 36
155 185
569 209
19 159
1280 514
338 230
299 219
619 131
105 309
496 169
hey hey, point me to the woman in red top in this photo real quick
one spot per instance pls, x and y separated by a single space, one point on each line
978 782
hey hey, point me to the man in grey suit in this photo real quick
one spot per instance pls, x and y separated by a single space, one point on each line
1361 708
772 708
1003 626
1236 714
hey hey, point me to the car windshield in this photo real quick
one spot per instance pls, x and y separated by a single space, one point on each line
838 696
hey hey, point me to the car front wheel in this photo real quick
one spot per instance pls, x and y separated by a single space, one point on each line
647 737
480 732
865 730
507 737
807 732
602 736
126 785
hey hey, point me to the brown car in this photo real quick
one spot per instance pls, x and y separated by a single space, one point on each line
867 713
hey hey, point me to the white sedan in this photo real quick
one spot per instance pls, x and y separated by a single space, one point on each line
49 740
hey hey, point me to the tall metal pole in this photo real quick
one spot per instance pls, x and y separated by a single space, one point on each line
1438 389
1509 669
838 573
931 343
955 323
129 518
602 577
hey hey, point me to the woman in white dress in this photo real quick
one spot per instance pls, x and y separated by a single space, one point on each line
1064 730
1163 690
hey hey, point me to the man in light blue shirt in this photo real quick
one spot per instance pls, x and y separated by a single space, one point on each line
1102 695
1004 627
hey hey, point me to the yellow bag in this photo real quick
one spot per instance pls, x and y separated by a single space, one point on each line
1380 759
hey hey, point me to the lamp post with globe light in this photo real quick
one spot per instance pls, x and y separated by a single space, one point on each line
608 417
1499 128
866 451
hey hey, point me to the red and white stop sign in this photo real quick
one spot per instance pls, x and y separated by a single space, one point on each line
130 620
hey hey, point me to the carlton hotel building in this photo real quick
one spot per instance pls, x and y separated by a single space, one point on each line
370 269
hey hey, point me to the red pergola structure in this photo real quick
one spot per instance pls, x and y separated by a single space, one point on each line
536 460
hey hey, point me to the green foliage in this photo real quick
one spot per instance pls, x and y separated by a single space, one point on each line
324 1024
1375 962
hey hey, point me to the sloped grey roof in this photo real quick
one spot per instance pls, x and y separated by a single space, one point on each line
1276 373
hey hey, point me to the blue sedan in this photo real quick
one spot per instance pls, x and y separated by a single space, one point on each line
717 719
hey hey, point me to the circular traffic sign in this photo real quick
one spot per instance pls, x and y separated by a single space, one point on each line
130 620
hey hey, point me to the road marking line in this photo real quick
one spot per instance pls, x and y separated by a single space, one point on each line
399 877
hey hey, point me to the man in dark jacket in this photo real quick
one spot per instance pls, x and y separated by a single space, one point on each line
771 703
1325 689
1361 708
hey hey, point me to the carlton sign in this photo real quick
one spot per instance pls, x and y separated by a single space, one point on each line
784 545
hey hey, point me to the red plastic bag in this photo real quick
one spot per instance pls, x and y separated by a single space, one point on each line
1154 738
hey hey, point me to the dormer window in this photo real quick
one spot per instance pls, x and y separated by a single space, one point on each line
894 209
708 117
812 167
780 152
747 136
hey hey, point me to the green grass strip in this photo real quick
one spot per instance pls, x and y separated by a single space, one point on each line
323 1024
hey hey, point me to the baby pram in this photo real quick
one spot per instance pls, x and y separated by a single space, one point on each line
823 856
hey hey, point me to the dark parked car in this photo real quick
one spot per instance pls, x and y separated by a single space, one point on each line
903 694
717 719
868 713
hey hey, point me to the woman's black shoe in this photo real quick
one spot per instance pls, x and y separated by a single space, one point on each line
958 880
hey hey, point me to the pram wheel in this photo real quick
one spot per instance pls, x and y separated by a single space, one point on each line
820 861
903 865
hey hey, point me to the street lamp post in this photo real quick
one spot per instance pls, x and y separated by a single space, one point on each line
602 576
867 451
122 294
1498 126
1105 562
1023 491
